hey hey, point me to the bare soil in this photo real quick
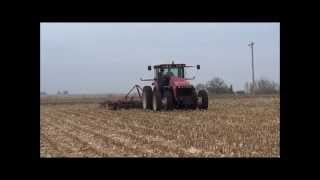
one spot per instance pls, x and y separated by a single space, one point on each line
231 127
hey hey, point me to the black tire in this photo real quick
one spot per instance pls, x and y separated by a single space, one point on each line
203 104
168 97
146 97
195 100
156 100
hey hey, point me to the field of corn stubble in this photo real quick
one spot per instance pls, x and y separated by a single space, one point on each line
231 127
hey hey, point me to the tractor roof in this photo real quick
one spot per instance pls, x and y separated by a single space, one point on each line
169 65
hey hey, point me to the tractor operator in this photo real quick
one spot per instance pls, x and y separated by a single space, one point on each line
169 73
164 78
161 75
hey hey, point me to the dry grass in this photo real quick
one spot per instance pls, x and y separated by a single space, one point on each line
232 127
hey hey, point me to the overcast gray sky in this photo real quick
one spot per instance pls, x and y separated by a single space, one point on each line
111 57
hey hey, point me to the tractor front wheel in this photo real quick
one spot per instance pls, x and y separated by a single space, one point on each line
203 99
147 97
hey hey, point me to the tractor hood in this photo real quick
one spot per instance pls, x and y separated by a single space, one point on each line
179 82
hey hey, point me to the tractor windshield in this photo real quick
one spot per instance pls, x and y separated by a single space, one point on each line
174 71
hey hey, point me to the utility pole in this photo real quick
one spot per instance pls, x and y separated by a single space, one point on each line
253 83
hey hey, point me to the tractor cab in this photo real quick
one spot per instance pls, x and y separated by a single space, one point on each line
169 70
164 72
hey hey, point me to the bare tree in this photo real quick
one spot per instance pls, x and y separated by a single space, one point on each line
217 86
263 86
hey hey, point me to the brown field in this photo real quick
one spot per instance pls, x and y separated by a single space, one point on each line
232 127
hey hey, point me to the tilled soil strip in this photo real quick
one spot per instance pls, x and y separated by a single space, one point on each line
166 146
150 134
48 146
135 126
110 144
188 150
69 144
138 124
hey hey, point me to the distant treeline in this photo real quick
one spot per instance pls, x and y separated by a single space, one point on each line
65 92
216 86
219 86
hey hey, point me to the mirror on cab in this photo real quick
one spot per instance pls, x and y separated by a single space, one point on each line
149 68
198 66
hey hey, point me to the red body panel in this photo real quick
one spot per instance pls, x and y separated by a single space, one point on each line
174 82
177 81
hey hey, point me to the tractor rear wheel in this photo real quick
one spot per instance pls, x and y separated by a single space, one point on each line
203 99
156 100
146 97
168 100
194 100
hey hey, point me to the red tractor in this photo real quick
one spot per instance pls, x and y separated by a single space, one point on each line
171 89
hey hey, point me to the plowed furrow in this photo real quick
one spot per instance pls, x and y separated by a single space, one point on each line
176 141
147 143
48 147
77 146
132 124
85 146
109 144
138 125
60 141
153 143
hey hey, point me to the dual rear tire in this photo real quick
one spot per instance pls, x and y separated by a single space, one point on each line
147 98
156 100
151 100
203 99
